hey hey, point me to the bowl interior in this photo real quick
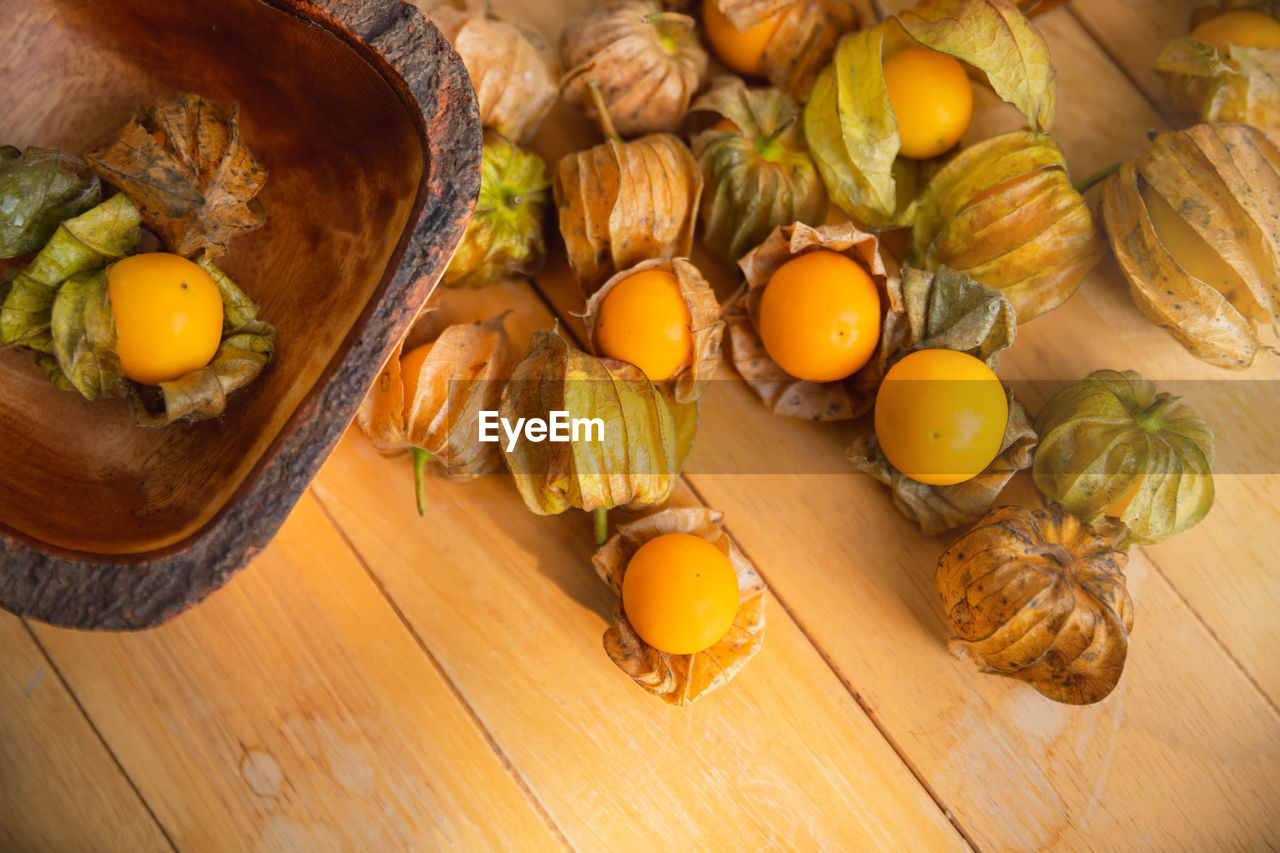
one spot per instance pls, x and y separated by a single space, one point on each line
345 160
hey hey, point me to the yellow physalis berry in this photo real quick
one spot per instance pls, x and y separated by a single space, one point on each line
410 367
680 593
741 50
1242 28
644 320
932 99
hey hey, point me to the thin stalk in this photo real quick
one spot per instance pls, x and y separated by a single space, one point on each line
606 123
1096 178
420 460
601 518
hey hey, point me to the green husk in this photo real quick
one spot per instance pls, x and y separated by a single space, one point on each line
39 189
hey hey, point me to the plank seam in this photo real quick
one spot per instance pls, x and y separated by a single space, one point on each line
57 672
1170 120
471 712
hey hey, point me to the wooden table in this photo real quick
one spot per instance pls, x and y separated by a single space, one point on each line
377 681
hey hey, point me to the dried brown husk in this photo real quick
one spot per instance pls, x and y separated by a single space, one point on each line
849 121
512 67
945 309
758 177
183 162
1004 211
463 375
1223 181
1040 597
647 68
781 392
636 463
621 203
504 238
707 329
681 679
1112 436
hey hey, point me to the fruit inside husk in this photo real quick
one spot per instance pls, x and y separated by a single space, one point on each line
1112 445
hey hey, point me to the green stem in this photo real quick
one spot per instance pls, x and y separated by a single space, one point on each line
767 145
1096 178
601 517
420 460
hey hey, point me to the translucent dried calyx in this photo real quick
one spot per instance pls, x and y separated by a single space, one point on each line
1112 446
511 64
849 121
632 458
462 375
621 203
781 392
646 62
681 679
504 238
758 176
945 309
39 189
707 328
1004 211
1195 226
1039 597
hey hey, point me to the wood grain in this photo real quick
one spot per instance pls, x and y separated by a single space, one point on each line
293 710
59 787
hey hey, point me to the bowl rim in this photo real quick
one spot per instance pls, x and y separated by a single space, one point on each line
132 591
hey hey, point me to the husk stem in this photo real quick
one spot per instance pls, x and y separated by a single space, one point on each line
606 123
1083 186
767 145
663 18
420 460
601 518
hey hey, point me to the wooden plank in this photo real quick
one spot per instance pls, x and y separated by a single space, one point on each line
509 602
59 787
293 710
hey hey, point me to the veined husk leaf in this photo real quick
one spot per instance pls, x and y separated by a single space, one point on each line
647 68
183 162
636 462
781 392
90 241
949 310
681 679
1224 182
1112 433
39 189
463 375
504 238
1004 211
83 335
1040 597
621 203
511 64
1238 84
849 121
758 177
707 329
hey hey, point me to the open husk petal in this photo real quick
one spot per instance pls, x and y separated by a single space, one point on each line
681 679
707 328
1235 85
1040 597
781 392
804 40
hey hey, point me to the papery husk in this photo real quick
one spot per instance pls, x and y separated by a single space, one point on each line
1004 211
88 242
621 203
646 87
706 327
1238 84
635 464
504 238
1111 433
39 189
1224 180
184 163
947 310
681 679
781 392
849 121
1037 596
512 67
750 191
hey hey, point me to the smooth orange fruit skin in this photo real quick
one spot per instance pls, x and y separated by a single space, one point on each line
643 319
1242 28
680 593
820 316
1117 509
932 99
410 367
167 313
940 416
741 50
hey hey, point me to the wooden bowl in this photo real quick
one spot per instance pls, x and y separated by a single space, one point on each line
367 123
